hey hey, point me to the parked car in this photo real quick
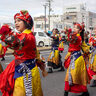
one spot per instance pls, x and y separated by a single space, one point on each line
42 39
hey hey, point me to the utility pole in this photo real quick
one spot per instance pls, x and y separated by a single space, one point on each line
49 5
82 16
45 15
86 16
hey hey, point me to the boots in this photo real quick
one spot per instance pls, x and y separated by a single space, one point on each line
65 93
50 70
93 83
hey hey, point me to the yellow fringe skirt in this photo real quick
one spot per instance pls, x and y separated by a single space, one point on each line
19 89
93 65
1 49
79 73
54 57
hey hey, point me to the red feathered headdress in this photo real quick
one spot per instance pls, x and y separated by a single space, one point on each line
69 30
24 15
78 25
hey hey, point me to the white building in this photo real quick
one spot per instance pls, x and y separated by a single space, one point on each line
74 13
71 14
39 22
74 8
78 13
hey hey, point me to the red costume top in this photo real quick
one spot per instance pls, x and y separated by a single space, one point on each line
92 66
93 40
28 50
24 48
75 44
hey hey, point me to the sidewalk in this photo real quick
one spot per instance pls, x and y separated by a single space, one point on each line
10 51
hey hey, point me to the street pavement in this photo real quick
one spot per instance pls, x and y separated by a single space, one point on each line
53 84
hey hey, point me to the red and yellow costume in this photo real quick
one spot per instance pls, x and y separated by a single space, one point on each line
53 59
92 60
23 69
61 46
77 77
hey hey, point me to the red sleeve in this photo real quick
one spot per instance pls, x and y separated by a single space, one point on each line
90 39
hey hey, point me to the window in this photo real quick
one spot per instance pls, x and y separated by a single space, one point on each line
69 17
90 21
60 26
56 25
38 25
41 34
47 25
71 8
34 33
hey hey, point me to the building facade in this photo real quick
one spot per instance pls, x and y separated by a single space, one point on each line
71 14
78 13
39 22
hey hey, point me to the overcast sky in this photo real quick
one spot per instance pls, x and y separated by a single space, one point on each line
35 7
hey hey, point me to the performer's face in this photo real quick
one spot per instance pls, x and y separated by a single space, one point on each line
54 32
19 24
76 29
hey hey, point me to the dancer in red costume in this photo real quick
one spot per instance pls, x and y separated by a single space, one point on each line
67 37
21 77
92 60
77 77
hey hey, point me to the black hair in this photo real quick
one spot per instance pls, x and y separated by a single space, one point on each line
29 26
57 31
78 27
82 34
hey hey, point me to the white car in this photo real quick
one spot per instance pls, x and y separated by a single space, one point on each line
42 39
